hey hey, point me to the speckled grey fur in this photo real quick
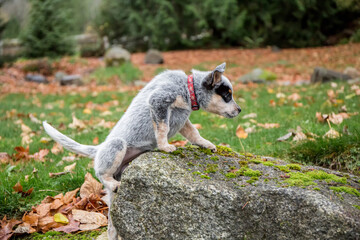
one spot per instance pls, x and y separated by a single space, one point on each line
134 134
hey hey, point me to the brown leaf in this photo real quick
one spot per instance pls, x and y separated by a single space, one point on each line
4 158
43 209
56 204
6 228
70 195
70 167
272 103
24 228
250 115
96 141
268 125
57 148
32 220
76 123
40 156
336 118
179 143
90 186
240 132
197 125
89 220
299 136
294 97
18 188
331 134
22 153
47 223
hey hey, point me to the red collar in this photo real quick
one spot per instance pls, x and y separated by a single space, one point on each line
194 103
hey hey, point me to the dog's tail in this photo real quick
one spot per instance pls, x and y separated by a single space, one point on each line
68 143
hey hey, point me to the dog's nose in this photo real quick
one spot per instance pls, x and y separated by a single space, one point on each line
239 109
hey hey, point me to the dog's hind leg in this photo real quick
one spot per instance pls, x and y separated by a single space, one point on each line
107 162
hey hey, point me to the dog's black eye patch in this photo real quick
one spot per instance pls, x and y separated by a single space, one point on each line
225 92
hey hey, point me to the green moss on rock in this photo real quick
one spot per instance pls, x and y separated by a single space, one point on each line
308 178
212 168
230 175
252 180
269 164
348 190
294 167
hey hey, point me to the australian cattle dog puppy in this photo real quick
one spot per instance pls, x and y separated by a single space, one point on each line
160 110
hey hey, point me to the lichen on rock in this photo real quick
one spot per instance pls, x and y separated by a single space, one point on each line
192 194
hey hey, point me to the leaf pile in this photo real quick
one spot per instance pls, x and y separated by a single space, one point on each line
63 213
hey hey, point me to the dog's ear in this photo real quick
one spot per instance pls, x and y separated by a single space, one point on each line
214 77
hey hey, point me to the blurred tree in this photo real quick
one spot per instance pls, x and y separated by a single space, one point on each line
177 24
46 33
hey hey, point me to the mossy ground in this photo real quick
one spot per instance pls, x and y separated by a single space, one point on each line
52 235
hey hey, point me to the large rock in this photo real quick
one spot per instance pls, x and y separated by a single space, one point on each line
115 56
193 195
154 56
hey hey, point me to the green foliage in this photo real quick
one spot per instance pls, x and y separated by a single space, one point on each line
348 190
11 29
183 24
47 29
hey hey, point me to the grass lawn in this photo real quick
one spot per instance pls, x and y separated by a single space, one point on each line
266 101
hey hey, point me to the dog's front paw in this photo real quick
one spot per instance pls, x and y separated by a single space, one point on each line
207 144
167 148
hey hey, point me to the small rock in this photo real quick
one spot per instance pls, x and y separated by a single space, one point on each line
154 56
352 72
275 49
59 76
325 75
36 78
257 75
140 83
116 56
71 80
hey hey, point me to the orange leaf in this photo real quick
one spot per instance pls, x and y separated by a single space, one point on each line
240 132
96 141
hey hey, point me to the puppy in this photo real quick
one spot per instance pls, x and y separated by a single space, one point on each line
160 110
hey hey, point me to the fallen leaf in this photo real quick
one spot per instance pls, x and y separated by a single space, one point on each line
70 158
333 85
34 119
250 130
105 124
268 125
76 123
223 126
179 143
6 228
57 148
197 125
331 134
43 209
40 156
45 140
240 132
106 113
70 167
89 220
321 117
47 223
24 228
250 115
32 220
87 111
336 118
299 136
69 196
298 104
280 95
294 97
331 94
57 203
285 137
4 158
90 186
96 140
61 218
272 103
19 189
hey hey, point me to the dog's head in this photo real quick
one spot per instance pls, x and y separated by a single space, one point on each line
218 94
